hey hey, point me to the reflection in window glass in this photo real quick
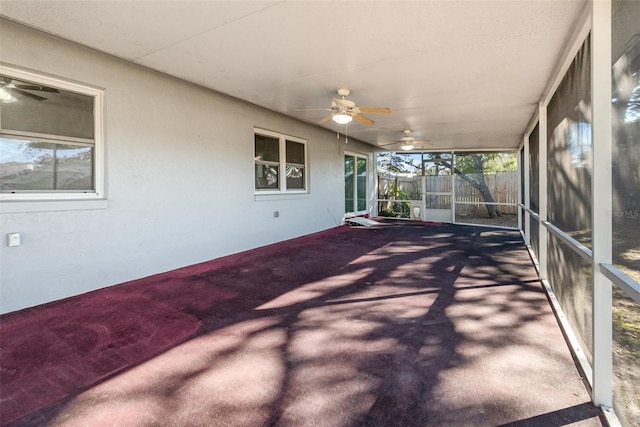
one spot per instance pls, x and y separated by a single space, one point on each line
295 178
355 184
295 152
31 165
295 165
47 139
349 183
274 153
35 108
361 186
266 177
267 149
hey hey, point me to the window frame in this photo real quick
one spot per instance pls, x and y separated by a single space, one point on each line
368 163
282 163
97 94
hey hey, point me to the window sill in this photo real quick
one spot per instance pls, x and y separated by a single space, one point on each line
23 206
280 196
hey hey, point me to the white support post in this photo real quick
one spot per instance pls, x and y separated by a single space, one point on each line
520 185
527 192
601 201
542 192
423 191
453 188
373 210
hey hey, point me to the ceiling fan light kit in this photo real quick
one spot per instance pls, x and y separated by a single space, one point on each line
343 110
407 142
341 118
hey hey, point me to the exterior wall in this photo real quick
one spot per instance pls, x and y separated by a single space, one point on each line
179 173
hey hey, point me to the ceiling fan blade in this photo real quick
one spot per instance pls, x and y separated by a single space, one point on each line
325 118
375 110
27 94
38 88
362 119
312 109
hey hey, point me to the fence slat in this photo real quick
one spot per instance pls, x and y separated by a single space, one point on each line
502 185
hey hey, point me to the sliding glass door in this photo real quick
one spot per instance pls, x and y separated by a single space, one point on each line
355 184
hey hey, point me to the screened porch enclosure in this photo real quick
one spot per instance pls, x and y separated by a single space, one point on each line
447 313
574 195
465 188
580 203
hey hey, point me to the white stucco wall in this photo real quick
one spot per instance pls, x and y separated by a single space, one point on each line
179 180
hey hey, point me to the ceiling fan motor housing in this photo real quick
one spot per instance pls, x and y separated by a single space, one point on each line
343 103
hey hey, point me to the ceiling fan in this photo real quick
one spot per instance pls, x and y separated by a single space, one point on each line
344 110
11 86
409 143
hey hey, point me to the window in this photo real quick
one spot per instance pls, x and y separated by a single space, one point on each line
280 163
50 138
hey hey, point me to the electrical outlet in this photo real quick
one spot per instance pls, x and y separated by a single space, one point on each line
276 214
13 239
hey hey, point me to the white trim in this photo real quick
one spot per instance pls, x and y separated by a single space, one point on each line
572 243
520 160
533 123
542 191
611 417
486 203
67 140
622 280
576 246
99 180
453 188
50 80
527 188
282 164
601 201
289 195
367 209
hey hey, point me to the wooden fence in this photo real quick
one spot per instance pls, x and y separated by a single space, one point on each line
502 185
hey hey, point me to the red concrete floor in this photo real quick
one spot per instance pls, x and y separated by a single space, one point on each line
403 324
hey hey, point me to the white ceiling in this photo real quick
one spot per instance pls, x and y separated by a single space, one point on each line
462 74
